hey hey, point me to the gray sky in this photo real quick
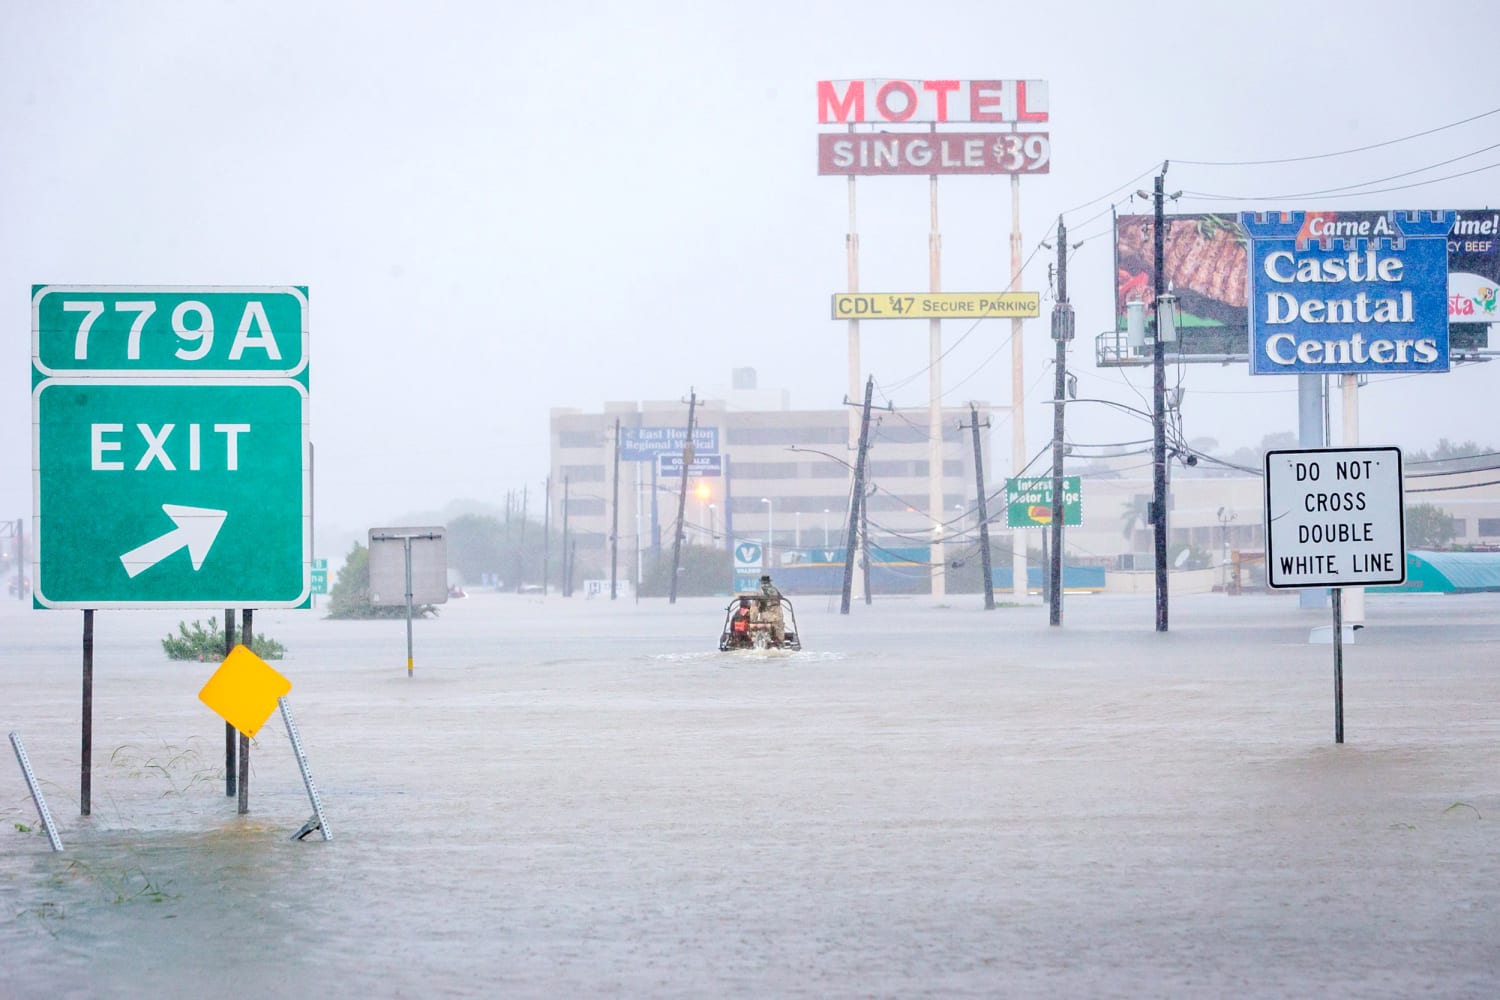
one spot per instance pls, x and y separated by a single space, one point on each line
502 208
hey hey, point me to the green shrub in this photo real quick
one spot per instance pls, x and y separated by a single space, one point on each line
207 644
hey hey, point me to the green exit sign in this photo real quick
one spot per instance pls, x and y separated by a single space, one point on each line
171 447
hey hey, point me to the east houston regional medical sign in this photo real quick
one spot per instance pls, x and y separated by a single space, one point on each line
1359 292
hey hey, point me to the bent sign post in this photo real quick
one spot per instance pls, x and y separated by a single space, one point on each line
1335 518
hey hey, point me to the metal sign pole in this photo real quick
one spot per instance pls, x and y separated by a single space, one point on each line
246 634
230 767
406 541
36 792
86 769
1338 664
317 822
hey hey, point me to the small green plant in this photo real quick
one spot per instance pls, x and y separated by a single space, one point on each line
22 828
207 644
180 767
130 886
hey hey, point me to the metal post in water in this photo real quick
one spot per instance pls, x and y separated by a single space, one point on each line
406 541
230 768
244 761
86 768
312 790
36 792
1338 664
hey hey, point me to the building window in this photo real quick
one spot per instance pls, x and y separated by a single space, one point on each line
580 439
582 473
1489 527
584 506
765 470
785 435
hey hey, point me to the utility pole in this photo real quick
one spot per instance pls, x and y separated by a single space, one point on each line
1158 412
687 460
567 578
614 527
521 549
857 503
546 535
984 517
1062 334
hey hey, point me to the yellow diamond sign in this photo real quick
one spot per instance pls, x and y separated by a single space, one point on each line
244 690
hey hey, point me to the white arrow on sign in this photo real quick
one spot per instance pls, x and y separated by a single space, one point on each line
195 527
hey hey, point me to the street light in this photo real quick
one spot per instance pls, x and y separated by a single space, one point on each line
713 531
770 528
1225 516
825 527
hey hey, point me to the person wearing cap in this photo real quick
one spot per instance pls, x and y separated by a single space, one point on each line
770 605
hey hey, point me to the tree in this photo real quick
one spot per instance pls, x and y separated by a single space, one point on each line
1135 513
1428 527
476 546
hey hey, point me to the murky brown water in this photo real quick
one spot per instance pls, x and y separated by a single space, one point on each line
578 798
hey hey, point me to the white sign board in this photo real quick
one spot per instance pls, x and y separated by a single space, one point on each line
428 548
1335 518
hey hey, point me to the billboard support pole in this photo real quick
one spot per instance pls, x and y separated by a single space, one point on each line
1350 385
1017 391
935 506
852 250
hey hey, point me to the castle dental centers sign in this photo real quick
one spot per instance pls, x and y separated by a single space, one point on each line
1340 293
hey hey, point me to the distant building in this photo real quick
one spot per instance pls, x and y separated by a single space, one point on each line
785 482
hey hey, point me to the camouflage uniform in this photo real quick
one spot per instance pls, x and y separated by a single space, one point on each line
772 598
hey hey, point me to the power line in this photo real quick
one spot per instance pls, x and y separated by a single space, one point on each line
1210 196
1342 152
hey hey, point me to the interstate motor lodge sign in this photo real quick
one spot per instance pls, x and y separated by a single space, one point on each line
1351 292
869 145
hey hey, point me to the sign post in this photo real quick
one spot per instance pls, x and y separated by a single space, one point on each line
1335 518
170 454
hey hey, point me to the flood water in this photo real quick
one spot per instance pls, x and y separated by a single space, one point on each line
583 798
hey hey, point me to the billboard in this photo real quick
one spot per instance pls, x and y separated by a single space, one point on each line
1206 263
991 102
1339 293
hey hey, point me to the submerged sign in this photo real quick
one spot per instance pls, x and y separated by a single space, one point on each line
1353 293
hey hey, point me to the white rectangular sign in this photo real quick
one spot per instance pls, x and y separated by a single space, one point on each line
1335 518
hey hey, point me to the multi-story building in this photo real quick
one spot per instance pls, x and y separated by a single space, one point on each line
786 478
